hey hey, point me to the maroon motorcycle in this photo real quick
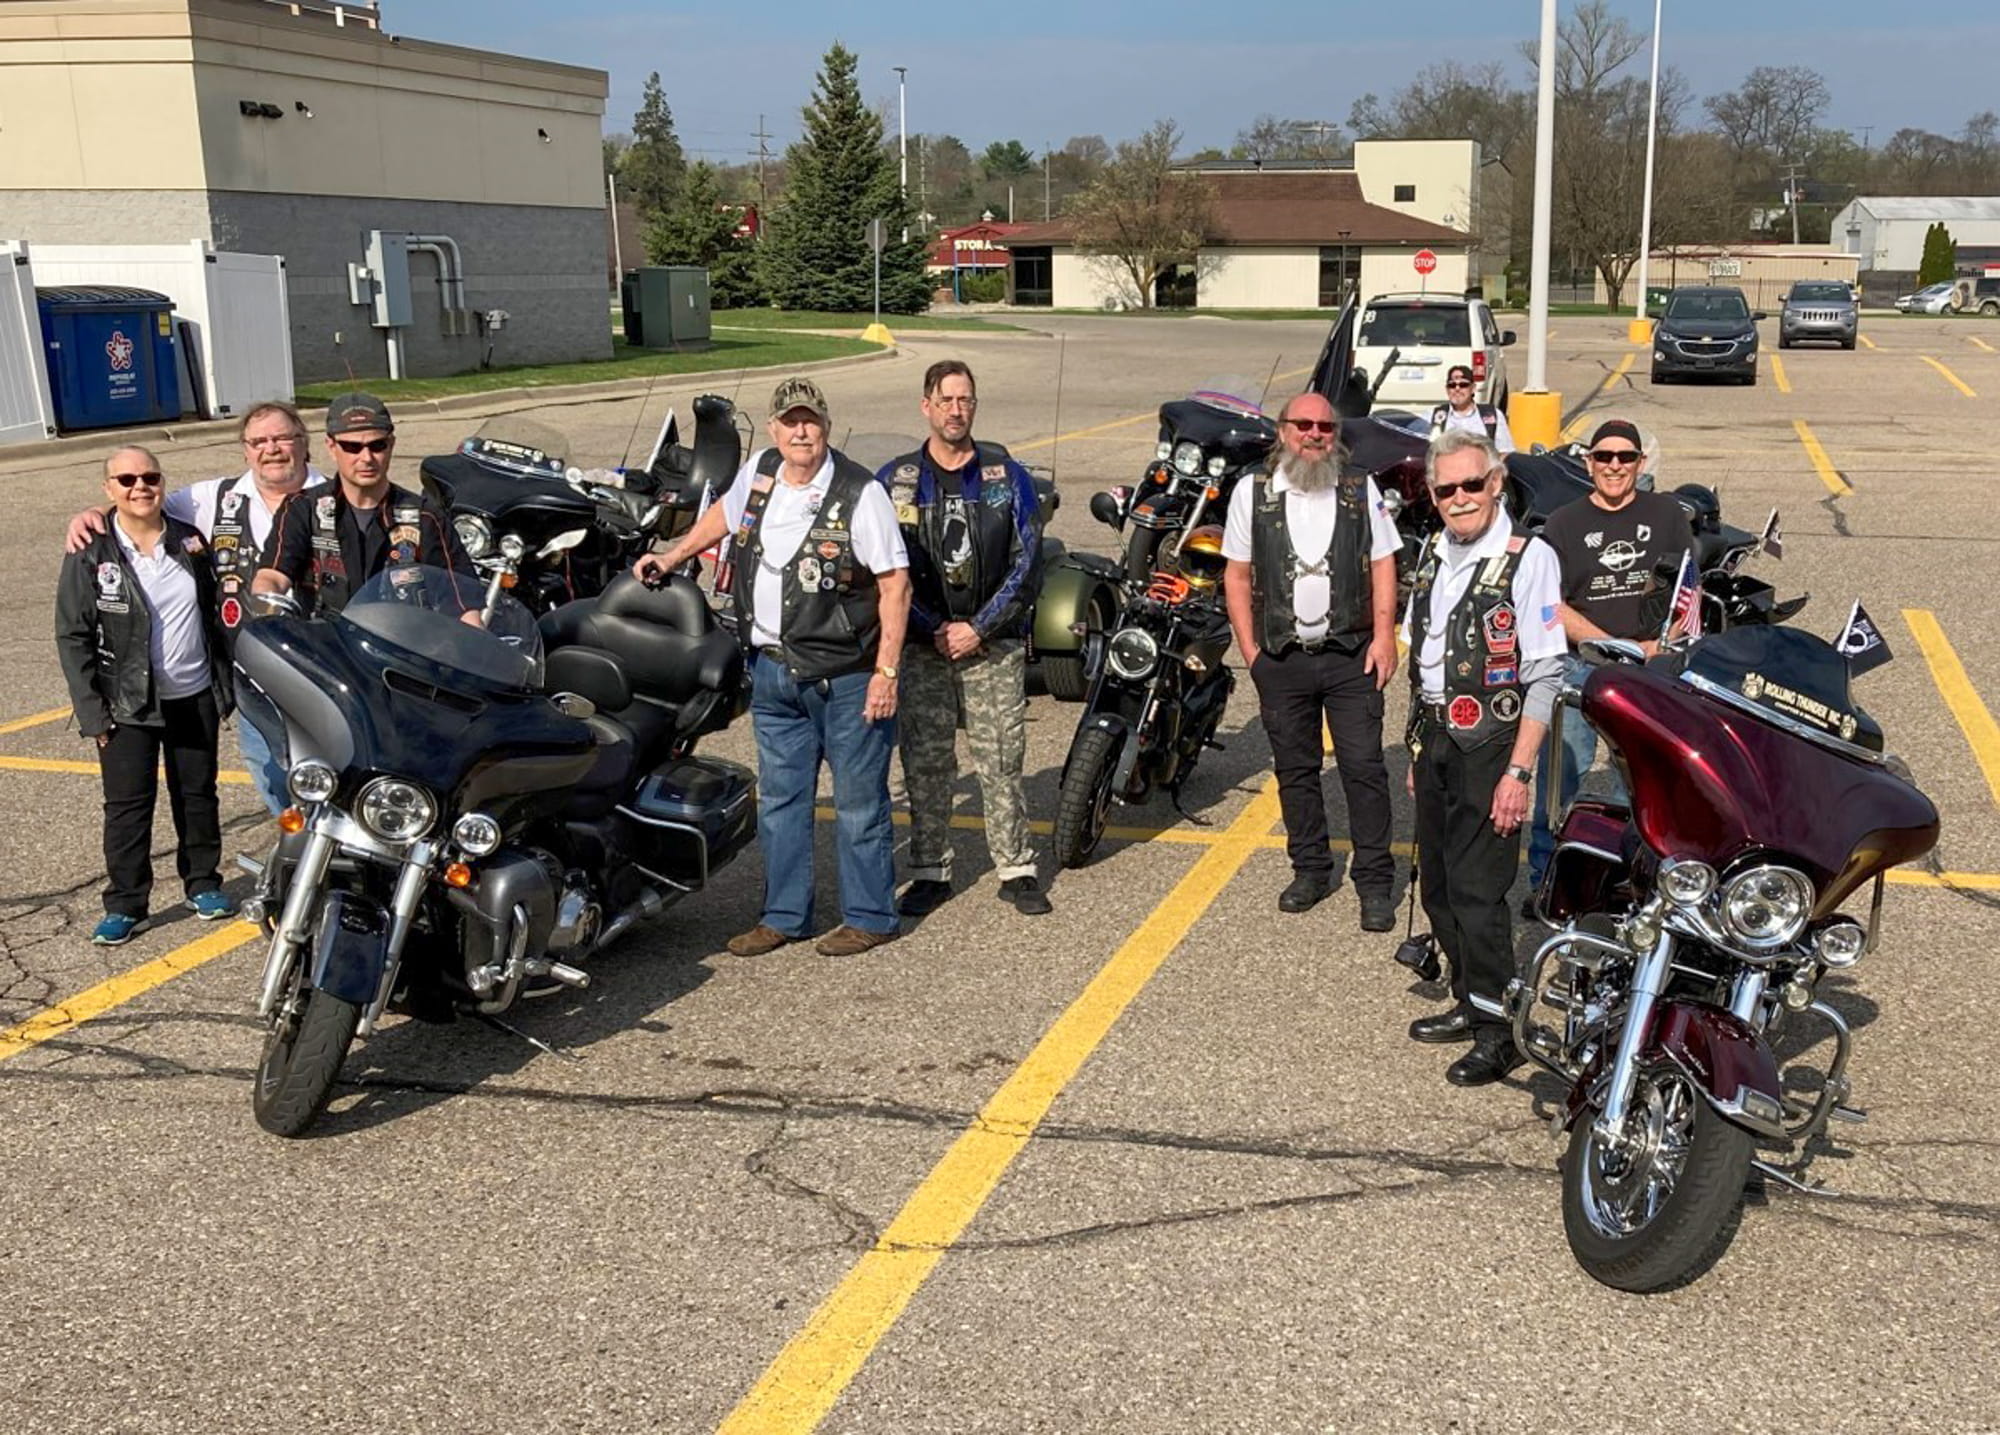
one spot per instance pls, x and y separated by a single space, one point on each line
1695 925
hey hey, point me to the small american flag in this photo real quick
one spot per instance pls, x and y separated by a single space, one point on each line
1684 613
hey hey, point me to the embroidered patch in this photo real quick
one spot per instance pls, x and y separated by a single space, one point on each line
191 545
996 495
1464 713
1500 635
323 509
232 613
403 533
1506 705
906 515
1501 675
224 542
994 473
809 572
232 504
829 549
110 582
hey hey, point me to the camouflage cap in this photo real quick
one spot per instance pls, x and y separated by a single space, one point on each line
797 393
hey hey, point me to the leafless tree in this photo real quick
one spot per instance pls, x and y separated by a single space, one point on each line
1140 218
1270 138
1772 115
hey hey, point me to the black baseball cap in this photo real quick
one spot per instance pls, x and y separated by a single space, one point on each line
358 413
1617 428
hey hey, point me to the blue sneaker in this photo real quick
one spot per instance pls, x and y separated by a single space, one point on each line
115 930
211 906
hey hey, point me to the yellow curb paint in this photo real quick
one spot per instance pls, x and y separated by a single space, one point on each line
1125 422
1778 373
35 720
65 1015
1822 465
1949 377
808 1376
1959 695
50 764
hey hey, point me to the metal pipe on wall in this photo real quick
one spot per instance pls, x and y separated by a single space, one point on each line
451 276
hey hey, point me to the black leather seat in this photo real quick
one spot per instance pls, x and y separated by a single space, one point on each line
684 672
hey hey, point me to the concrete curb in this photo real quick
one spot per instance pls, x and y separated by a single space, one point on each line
494 401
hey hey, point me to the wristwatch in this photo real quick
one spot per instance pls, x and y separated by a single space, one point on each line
885 670
1519 773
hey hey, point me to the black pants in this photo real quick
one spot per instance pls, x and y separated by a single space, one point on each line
1465 866
1295 689
130 761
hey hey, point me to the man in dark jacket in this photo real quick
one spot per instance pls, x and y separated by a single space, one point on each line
142 649
973 529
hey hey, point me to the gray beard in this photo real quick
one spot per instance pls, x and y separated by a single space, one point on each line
1311 475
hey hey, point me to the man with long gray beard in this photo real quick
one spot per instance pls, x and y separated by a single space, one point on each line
1311 589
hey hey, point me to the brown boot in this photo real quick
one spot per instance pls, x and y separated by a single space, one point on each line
846 941
757 941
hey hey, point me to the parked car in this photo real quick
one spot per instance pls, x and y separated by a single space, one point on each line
1820 309
1706 331
1931 299
1429 333
1986 296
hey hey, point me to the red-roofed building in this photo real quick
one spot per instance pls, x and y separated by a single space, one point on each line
976 247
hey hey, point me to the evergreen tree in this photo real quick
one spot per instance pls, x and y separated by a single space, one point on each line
815 253
653 168
701 229
1940 261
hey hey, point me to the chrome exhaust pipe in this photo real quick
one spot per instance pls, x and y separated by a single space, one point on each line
649 905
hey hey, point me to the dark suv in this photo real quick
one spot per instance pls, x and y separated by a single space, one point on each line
1818 309
1706 331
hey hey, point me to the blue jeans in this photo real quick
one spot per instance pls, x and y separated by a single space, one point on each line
267 769
796 727
1579 742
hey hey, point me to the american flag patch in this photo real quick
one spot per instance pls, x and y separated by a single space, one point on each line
1550 618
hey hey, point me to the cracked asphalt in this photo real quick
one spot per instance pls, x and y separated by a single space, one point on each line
1256 1207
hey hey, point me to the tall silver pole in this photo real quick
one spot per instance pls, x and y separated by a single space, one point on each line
903 145
617 246
1537 417
1640 333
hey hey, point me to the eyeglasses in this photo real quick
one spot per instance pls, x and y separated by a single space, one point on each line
363 445
954 403
1314 425
1441 491
275 440
127 480
1615 455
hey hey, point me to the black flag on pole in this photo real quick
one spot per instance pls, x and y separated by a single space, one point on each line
1862 643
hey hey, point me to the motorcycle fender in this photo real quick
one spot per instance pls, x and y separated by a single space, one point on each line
1067 589
1119 729
351 948
1729 1062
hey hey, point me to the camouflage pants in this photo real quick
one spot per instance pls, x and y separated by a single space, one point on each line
986 692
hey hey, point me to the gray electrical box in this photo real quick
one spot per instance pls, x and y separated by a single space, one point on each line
672 307
388 262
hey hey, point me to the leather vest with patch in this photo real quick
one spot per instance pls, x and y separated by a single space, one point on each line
917 490
234 550
1488 415
830 620
1276 565
1483 696
333 585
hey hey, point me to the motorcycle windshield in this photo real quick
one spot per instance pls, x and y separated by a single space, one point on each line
434 615
1222 417
1758 748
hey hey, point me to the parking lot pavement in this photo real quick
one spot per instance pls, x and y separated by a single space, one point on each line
1163 1161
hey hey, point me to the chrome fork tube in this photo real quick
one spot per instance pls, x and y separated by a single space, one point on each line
1649 979
1746 996
307 879
403 906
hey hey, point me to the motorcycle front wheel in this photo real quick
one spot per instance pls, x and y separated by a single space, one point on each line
302 1055
1085 799
1659 1209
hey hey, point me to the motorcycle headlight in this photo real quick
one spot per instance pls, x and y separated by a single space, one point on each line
1218 466
1686 883
512 548
1840 944
1132 653
1766 907
1165 451
476 834
1187 458
395 810
475 534
312 781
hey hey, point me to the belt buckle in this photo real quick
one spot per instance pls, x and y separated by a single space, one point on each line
1313 645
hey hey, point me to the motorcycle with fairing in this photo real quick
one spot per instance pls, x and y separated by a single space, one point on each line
479 803
1699 924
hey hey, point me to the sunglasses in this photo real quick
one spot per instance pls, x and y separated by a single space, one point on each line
1615 455
369 445
127 480
1442 491
1459 384
1314 425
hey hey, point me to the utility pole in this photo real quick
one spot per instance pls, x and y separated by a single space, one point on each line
1792 196
1866 130
1045 183
763 153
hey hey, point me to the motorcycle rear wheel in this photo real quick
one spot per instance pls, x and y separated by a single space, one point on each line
1066 675
1662 1211
1085 799
301 1058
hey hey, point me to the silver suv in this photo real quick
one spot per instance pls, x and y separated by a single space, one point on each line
1819 309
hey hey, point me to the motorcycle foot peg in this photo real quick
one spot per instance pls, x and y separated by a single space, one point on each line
562 972
249 864
1419 954
1852 1115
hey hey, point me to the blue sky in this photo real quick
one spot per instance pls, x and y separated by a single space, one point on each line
1041 70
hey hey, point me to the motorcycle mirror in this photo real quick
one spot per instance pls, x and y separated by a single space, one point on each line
562 542
1104 508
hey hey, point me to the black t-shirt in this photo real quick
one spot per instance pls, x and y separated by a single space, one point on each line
1608 558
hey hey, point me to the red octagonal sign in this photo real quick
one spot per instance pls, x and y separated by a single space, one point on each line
1426 261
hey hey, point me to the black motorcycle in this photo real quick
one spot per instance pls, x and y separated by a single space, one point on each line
1206 440
1155 700
479 804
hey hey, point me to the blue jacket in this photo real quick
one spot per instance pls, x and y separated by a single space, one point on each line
1005 531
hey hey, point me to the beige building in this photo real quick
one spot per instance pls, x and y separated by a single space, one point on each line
1762 271
299 128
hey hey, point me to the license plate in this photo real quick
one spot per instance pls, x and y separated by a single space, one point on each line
1704 363
1410 374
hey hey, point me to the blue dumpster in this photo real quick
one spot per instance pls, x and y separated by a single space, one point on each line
111 355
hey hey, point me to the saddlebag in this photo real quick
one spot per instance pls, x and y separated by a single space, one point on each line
688 818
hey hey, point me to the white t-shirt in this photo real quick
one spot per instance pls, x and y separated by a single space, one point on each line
198 502
1537 593
1472 422
177 641
788 517
1311 518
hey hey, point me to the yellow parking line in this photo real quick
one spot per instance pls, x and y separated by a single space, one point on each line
808 1376
36 720
1573 430
1868 341
45 1025
50 764
1949 377
1970 881
1959 695
1822 465
1127 421
1778 373
1974 338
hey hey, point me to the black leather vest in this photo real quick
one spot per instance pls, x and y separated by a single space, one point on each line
333 585
1482 646
234 549
916 488
1275 566
831 621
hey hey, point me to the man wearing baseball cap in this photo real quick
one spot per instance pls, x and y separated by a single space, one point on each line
327 542
821 584
1460 412
1608 545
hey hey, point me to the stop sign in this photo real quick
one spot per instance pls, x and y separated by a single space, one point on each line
1426 261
